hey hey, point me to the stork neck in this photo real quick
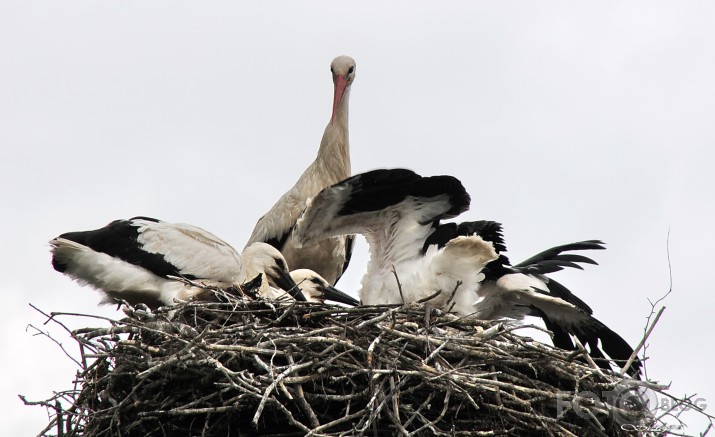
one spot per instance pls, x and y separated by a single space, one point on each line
341 114
334 152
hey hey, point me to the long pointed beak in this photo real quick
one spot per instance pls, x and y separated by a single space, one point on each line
341 84
335 295
284 281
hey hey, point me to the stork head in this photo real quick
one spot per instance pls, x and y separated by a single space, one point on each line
262 258
343 70
317 289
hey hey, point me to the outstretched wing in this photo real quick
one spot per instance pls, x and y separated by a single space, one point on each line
601 340
374 201
518 295
553 260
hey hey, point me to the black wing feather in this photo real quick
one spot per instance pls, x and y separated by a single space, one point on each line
564 293
489 230
590 331
378 189
554 252
612 344
119 239
553 260
280 241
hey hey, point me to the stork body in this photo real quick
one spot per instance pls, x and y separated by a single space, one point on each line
525 289
387 207
143 260
328 256
413 255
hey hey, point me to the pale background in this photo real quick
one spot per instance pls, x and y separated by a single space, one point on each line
565 120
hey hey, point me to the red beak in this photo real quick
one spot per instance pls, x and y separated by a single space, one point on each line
341 84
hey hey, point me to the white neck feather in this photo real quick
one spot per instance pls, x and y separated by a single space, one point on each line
334 153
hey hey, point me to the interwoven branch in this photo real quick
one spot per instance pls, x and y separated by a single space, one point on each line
254 367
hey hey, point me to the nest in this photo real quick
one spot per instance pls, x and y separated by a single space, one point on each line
252 367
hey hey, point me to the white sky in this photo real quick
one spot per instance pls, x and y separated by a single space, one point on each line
565 120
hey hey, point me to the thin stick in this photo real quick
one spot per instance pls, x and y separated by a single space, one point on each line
399 285
587 356
642 342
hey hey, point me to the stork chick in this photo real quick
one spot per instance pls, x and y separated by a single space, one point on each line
413 256
316 289
142 260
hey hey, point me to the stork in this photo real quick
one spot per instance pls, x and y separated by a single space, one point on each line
143 260
413 256
316 289
313 286
328 256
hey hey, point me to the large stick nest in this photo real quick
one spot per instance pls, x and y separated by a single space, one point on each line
251 367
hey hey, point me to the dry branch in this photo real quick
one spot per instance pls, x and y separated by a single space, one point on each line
249 367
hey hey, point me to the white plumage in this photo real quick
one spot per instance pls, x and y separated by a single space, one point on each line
413 256
329 256
142 260
388 208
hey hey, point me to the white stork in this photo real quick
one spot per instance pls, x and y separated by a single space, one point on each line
413 256
329 256
143 260
313 286
316 289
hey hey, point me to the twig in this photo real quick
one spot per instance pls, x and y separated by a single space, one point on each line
253 366
47 334
642 342
399 285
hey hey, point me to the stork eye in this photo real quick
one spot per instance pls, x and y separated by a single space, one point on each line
350 71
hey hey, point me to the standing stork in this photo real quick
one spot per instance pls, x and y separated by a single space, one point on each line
458 266
328 256
144 260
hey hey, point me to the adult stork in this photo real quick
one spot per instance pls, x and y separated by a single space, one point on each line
328 256
143 260
413 256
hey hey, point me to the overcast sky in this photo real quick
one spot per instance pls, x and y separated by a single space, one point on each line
564 120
